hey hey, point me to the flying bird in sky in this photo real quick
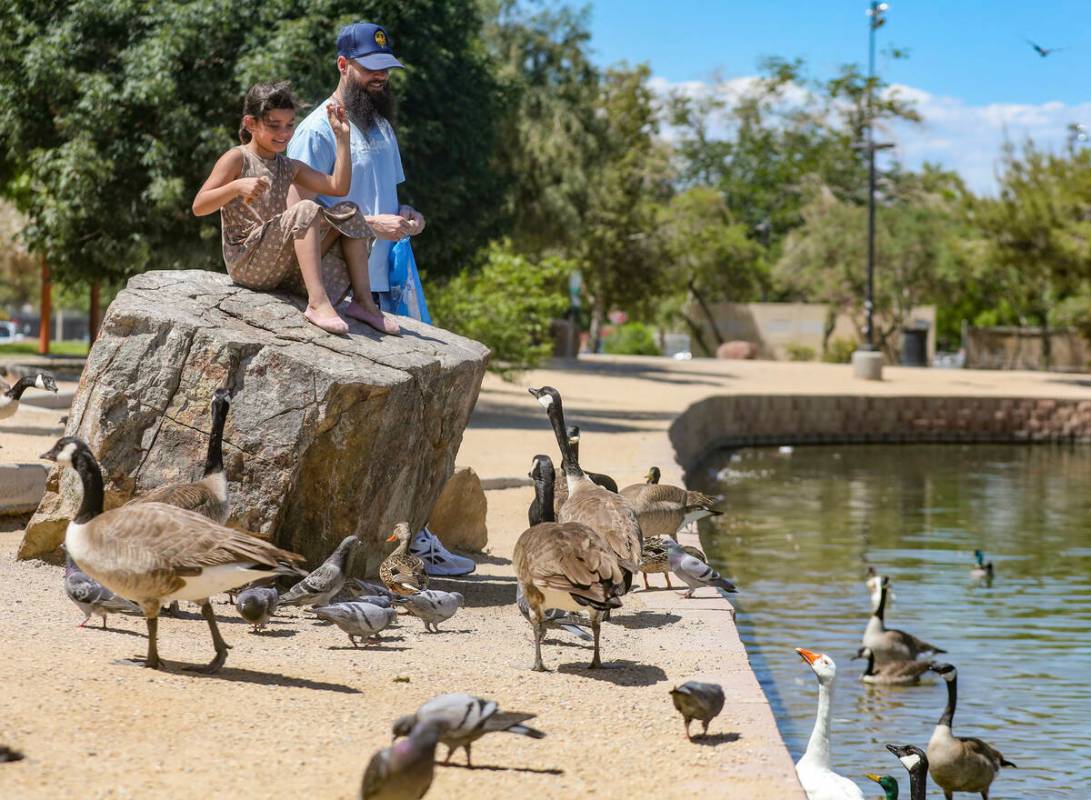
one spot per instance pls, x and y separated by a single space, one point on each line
1044 51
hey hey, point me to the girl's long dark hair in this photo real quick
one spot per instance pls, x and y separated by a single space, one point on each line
263 98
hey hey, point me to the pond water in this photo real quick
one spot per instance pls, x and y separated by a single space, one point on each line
801 527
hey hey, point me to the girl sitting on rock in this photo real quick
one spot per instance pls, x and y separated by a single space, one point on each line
268 245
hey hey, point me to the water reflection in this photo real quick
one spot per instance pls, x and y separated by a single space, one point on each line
801 530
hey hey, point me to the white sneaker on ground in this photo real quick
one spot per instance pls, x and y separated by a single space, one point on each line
438 560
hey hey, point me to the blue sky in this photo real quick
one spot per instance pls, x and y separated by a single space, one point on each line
974 76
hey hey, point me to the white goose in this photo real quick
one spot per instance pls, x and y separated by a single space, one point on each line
819 780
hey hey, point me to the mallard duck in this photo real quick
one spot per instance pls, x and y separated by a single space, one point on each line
401 571
892 645
891 673
981 570
960 763
889 784
663 509
606 512
916 764
654 558
560 484
11 395
814 769
152 552
208 496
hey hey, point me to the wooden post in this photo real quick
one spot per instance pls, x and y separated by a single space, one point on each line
94 320
45 311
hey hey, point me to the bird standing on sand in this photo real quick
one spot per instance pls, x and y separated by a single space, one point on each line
663 509
320 586
402 572
700 701
432 607
916 764
91 596
654 558
693 572
363 620
467 719
814 769
11 395
257 605
155 553
554 617
404 771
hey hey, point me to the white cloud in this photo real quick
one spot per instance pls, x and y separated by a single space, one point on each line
957 135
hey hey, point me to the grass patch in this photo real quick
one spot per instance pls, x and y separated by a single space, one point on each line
30 348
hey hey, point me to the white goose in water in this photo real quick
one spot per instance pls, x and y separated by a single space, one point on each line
960 763
819 780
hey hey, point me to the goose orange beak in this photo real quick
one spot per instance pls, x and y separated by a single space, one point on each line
392 537
810 656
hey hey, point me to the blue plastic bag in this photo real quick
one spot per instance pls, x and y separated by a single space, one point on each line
406 295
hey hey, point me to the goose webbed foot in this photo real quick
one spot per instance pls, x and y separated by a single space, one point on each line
217 641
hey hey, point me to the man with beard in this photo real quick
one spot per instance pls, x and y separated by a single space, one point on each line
364 61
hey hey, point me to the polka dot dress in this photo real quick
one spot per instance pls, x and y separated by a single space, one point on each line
258 237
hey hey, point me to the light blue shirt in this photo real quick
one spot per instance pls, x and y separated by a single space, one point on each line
376 173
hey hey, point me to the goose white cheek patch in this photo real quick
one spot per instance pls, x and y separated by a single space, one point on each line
39 382
910 760
545 400
65 456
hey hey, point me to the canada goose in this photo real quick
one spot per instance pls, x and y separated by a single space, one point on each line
542 508
981 570
9 399
916 764
891 673
873 581
401 571
560 489
468 718
604 511
891 645
653 475
816 775
208 496
155 553
654 557
960 763
565 567
889 784
663 509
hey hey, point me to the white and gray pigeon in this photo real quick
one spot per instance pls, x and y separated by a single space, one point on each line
320 586
404 770
700 701
91 596
432 606
363 620
693 571
11 395
467 719
257 605
555 617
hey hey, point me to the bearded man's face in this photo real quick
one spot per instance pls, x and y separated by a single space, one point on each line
367 95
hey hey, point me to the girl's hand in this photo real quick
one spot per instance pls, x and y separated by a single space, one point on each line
338 121
252 188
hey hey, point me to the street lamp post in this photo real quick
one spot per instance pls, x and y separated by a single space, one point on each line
875 21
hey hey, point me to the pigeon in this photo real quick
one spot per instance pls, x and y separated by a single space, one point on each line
432 606
357 619
467 719
404 770
91 596
555 617
372 588
694 572
320 586
696 700
257 605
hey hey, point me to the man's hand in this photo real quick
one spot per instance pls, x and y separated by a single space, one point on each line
414 216
390 226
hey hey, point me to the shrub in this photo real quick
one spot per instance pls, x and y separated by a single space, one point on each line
839 351
631 339
799 352
506 304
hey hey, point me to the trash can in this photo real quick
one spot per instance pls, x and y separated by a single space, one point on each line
915 344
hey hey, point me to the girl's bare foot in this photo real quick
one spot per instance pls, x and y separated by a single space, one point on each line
373 317
326 319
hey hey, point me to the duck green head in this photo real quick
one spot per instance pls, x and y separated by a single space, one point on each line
980 556
889 784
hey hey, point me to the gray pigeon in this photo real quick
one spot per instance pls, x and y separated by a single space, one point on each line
91 596
257 605
467 719
372 588
554 617
693 571
696 700
432 606
404 770
320 586
357 619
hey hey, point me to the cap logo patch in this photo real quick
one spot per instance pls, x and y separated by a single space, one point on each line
380 38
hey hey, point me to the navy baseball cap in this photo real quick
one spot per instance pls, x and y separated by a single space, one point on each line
368 44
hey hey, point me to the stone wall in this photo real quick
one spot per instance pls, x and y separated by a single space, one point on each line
756 420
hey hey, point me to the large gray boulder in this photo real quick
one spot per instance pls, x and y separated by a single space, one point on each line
327 435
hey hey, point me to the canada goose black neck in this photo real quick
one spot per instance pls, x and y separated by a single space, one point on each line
214 460
952 699
882 599
20 386
91 477
870 662
541 509
555 411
